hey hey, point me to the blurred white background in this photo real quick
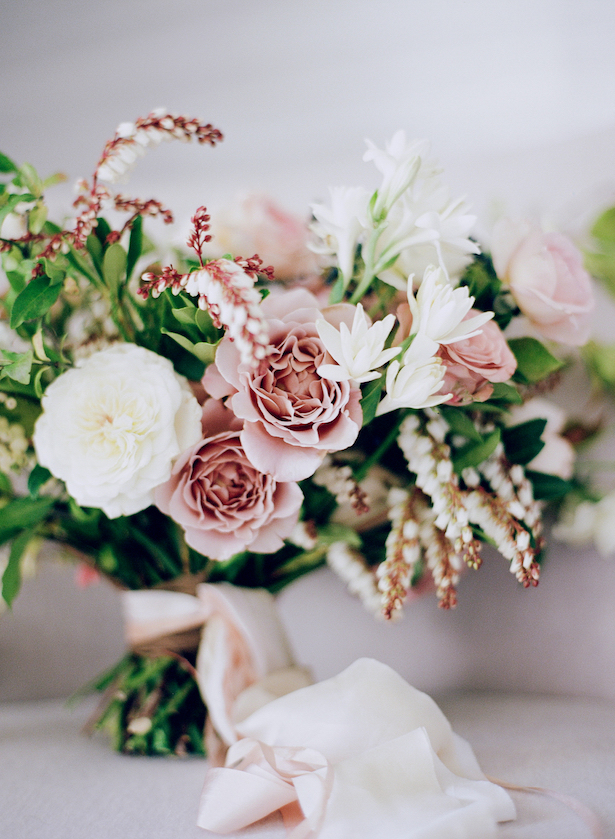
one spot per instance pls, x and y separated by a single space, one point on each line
518 99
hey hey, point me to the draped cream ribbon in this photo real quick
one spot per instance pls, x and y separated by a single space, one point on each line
360 755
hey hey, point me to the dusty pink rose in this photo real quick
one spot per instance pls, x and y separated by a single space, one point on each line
293 416
547 279
472 364
221 500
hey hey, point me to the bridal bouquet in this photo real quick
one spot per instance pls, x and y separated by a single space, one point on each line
369 403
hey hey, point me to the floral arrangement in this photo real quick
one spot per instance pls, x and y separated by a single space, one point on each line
368 406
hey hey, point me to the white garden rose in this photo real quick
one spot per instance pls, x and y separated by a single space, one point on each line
112 427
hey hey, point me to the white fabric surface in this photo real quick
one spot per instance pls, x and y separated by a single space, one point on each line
58 784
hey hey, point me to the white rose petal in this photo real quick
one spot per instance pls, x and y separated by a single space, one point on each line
112 427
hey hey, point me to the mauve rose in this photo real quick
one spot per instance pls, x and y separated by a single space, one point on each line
293 416
547 279
473 363
221 500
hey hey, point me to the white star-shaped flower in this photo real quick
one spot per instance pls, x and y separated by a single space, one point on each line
417 380
359 351
438 310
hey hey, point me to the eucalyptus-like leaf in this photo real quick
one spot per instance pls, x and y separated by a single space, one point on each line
135 245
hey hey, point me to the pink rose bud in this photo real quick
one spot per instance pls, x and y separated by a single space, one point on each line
547 279
473 363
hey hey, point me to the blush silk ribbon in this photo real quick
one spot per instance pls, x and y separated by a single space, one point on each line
360 755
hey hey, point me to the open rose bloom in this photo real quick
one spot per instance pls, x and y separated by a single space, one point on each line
221 500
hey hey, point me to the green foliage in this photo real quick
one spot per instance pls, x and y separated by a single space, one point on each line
160 690
474 453
548 487
534 361
460 423
370 397
523 442
488 292
600 359
16 365
601 261
34 301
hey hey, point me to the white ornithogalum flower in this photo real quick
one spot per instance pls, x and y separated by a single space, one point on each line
416 381
339 225
359 352
399 164
438 310
426 227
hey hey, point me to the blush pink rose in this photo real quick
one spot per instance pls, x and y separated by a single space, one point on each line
472 364
293 416
256 224
547 279
221 500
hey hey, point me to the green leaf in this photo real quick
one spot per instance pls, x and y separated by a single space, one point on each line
548 487
185 315
22 513
370 399
114 266
55 273
6 486
37 217
205 324
95 249
11 579
12 202
460 423
38 476
38 383
504 392
534 361
102 230
203 351
523 442
34 301
135 245
31 180
475 453
6 164
604 226
333 532
17 366
78 261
